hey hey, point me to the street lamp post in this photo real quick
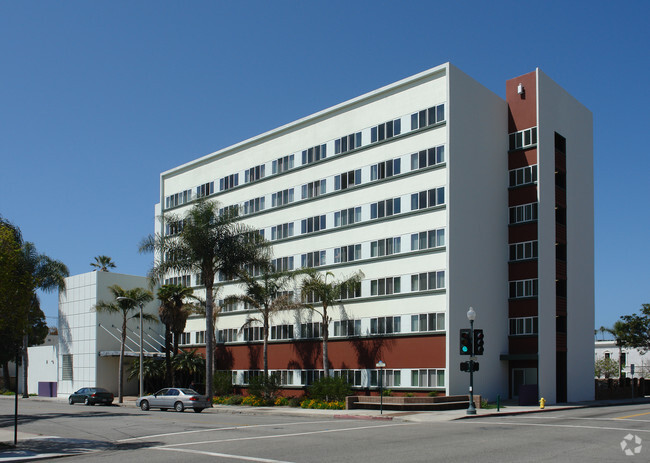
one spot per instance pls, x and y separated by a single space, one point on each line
123 298
471 316
381 365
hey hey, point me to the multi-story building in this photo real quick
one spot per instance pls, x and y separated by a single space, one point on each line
445 196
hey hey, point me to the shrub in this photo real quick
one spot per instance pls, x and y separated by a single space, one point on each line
265 387
386 392
281 402
434 393
409 394
254 401
223 383
234 400
322 404
328 389
294 402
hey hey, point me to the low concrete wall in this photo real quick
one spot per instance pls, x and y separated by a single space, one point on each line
454 402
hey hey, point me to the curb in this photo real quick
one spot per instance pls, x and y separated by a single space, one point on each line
363 417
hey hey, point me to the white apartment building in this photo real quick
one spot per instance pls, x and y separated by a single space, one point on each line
445 196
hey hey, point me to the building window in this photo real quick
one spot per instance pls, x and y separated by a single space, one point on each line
282 264
282 231
186 338
523 288
312 224
427 322
427 198
253 205
351 292
382 286
428 239
313 259
385 131
307 377
347 143
347 179
522 176
178 199
282 332
386 247
283 377
352 377
428 157
385 325
310 330
314 154
523 251
523 213
428 117
347 328
347 216
428 378
254 173
205 190
282 164
313 189
200 337
67 367
523 326
385 169
523 138
428 281
185 280
227 335
347 253
253 333
228 182
282 197
385 208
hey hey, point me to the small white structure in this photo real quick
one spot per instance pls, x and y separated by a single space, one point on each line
632 358
89 341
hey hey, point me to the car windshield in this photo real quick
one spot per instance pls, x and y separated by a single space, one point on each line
189 392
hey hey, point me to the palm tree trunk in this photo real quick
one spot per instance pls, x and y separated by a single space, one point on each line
120 387
168 360
209 336
326 332
25 365
266 345
175 352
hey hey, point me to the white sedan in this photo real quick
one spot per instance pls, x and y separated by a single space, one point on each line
174 397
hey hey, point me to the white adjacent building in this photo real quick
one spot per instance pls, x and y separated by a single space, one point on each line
89 341
446 196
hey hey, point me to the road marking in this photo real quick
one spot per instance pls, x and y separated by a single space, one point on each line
505 423
224 455
532 417
222 429
306 433
632 416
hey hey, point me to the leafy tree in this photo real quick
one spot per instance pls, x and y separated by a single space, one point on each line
190 366
636 329
153 373
103 263
263 294
330 389
606 367
319 294
129 302
207 243
173 313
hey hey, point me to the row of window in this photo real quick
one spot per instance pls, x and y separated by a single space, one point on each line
378 133
523 213
523 251
522 176
523 326
420 323
185 280
522 288
421 378
522 139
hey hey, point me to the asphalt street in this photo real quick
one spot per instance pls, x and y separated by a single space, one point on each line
118 434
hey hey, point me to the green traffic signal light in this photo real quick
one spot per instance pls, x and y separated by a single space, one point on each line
465 342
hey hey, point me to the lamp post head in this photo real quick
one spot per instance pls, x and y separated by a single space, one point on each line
471 314
380 364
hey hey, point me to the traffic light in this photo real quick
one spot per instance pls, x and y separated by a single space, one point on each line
465 366
465 342
479 341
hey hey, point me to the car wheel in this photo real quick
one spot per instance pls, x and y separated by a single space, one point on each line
179 407
144 405
70 401
198 410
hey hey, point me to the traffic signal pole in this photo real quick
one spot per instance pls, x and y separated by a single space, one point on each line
471 410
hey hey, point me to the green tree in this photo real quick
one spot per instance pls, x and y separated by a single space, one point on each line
103 263
319 294
173 313
207 243
128 307
189 366
266 295
636 329
606 367
620 332
153 373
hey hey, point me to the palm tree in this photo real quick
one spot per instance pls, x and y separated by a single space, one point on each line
190 365
618 330
129 301
263 294
47 275
173 313
207 244
103 263
315 289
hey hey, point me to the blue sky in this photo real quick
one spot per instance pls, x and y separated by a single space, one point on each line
98 98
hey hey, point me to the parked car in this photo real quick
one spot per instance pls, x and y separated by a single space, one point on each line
174 397
91 396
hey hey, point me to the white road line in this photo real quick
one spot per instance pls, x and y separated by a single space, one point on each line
276 436
505 423
223 455
530 417
152 436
